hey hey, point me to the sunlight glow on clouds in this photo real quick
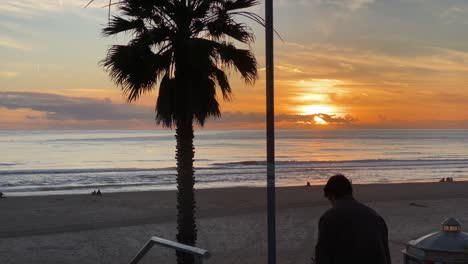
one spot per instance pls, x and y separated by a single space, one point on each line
313 96
316 109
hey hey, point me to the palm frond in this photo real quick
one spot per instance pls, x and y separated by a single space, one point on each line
89 3
135 68
241 59
206 104
239 4
118 25
187 86
227 54
140 8
113 3
258 19
226 27
153 36
165 104
201 8
108 5
223 82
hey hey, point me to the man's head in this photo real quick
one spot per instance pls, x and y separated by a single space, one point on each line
338 187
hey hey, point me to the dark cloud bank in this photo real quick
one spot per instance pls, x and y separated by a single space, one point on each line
60 108
92 113
238 117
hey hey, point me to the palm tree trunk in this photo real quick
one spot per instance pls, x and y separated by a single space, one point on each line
186 226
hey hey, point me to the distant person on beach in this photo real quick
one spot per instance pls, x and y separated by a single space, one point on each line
2 195
350 232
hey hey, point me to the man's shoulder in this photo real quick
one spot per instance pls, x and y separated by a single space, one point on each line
364 206
349 207
369 209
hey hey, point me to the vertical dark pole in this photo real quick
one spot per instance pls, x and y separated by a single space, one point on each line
270 132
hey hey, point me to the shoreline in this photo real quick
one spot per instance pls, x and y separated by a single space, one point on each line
162 189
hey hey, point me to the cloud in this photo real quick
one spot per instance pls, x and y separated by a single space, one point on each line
332 61
351 4
259 118
67 111
330 119
29 7
27 110
8 74
14 27
346 4
13 44
32 8
455 14
59 107
326 17
288 68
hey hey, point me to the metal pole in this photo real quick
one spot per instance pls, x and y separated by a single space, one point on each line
270 132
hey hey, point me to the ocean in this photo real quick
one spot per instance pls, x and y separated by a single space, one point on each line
67 162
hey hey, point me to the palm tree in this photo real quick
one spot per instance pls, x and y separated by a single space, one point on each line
186 47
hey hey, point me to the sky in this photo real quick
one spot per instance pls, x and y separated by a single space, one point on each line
341 64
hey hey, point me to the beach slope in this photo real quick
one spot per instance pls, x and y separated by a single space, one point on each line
231 222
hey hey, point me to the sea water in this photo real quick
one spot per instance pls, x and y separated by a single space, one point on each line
65 162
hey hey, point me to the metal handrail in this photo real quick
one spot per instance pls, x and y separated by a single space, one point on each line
198 253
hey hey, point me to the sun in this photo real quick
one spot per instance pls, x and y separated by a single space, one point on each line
316 109
319 121
317 113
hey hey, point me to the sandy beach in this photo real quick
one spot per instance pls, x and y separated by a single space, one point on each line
231 222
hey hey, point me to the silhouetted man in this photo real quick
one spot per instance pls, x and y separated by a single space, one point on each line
350 232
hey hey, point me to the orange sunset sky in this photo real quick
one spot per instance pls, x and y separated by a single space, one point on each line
343 64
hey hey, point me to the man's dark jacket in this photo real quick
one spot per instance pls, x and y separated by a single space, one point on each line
351 232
